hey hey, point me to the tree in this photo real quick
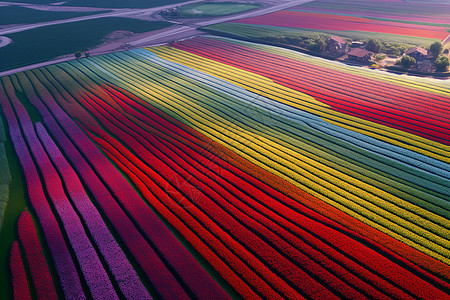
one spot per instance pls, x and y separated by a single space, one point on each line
407 61
373 45
86 54
436 48
442 63
77 54
319 46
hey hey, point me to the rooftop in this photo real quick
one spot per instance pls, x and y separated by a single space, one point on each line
338 39
418 49
358 52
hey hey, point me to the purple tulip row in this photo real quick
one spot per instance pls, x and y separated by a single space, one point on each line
64 264
123 272
166 246
164 283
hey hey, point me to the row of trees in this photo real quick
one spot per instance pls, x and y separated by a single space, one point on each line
313 42
441 61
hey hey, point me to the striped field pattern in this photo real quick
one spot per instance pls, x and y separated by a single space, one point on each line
213 168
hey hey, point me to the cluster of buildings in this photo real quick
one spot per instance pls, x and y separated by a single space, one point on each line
355 52
424 58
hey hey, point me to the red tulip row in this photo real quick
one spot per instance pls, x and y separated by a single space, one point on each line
356 105
298 19
37 264
20 289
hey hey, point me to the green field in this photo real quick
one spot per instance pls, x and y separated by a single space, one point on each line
264 31
213 9
393 45
20 15
45 43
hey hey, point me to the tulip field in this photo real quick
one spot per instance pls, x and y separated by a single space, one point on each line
415 23
213 168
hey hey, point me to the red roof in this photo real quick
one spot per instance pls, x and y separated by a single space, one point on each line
418 49
338 39
358 52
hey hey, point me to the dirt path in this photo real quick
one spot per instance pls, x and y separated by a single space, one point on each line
446 40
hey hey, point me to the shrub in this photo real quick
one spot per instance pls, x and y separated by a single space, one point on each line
407 61
379 57
442 63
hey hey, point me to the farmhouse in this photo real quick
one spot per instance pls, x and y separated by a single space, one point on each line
336 44
418 53
360 55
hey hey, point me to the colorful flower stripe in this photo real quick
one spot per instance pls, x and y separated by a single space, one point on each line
196 199
399 10
264 87
249 189
92 269
123 272
147 259
433 87
37 264
436 240
20 289
321 21
116 154
65 267
244 58
253 242
164 282
297 115
322 69
176 255
255 157
164 197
